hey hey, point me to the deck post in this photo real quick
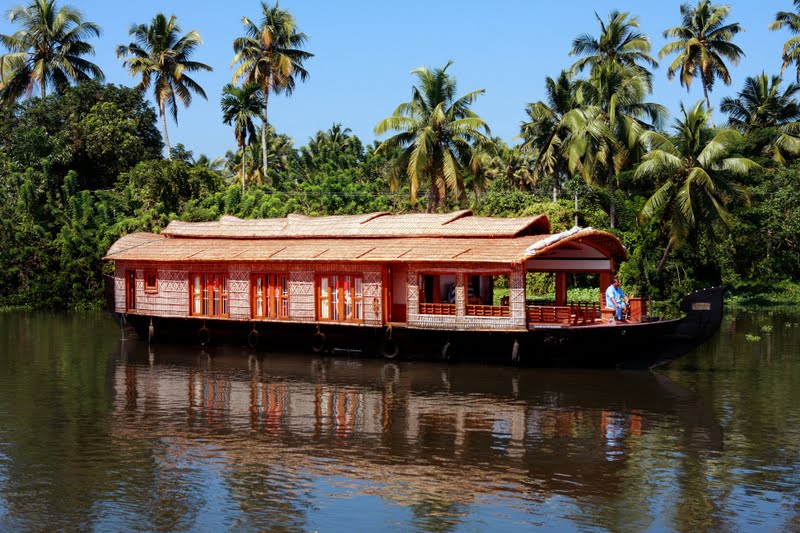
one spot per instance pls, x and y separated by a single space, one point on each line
561 288
605 280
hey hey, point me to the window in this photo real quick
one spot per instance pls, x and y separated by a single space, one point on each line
209 294
437 294
269 296
130 290
487 295
340 298
150 281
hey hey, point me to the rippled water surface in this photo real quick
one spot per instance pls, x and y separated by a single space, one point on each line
102 433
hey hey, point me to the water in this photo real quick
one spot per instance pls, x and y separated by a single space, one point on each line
103 434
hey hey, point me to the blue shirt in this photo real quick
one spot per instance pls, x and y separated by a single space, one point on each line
614 294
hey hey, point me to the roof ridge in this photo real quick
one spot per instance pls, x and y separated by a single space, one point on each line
373 216
457 215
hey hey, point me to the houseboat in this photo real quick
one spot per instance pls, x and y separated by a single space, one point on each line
393 285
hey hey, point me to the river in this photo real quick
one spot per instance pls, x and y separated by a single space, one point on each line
103 433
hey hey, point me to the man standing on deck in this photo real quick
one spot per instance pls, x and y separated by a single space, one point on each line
616 299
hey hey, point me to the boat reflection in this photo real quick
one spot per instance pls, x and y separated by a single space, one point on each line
411 430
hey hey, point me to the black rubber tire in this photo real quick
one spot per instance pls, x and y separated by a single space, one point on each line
318 341
204 336
515 352
253 338
390 349
447 351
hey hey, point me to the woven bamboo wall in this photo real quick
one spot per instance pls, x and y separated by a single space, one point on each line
172 296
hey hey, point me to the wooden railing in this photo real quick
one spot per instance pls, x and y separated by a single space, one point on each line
488 310
437 309
549 314
573 314
584 313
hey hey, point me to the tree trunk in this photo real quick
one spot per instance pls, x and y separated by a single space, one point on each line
244 164
612 190
663 262
576 207
264 135
708 103
164 125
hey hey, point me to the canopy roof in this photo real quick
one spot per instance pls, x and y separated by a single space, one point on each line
378 237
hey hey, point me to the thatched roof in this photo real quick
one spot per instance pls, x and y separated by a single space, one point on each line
378 237
456 224
410 249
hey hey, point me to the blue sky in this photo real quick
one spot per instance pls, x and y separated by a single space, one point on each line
364 52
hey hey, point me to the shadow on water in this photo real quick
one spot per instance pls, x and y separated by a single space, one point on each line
98 433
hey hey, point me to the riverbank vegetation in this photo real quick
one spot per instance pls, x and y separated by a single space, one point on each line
82 162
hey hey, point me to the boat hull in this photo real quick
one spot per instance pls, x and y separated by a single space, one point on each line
623 345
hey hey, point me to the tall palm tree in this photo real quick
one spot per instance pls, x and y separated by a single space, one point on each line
693 166
160 55
703 43
547 131
47 50
791 49
612 114
620 44
270 55
761 104
239 106
610 125
438 134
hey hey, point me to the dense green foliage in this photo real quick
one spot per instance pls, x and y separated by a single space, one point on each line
695 205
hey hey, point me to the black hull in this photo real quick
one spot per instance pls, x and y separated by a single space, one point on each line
631 345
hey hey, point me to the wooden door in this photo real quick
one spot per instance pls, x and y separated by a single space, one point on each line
130 290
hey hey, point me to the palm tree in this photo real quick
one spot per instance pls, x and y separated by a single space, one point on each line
511 164
280 150
161 57
270 56
239 106
47 50
611 112
703 43
335 148
693 166
608 128
791 49
546 133
438 134
620 44
761 104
